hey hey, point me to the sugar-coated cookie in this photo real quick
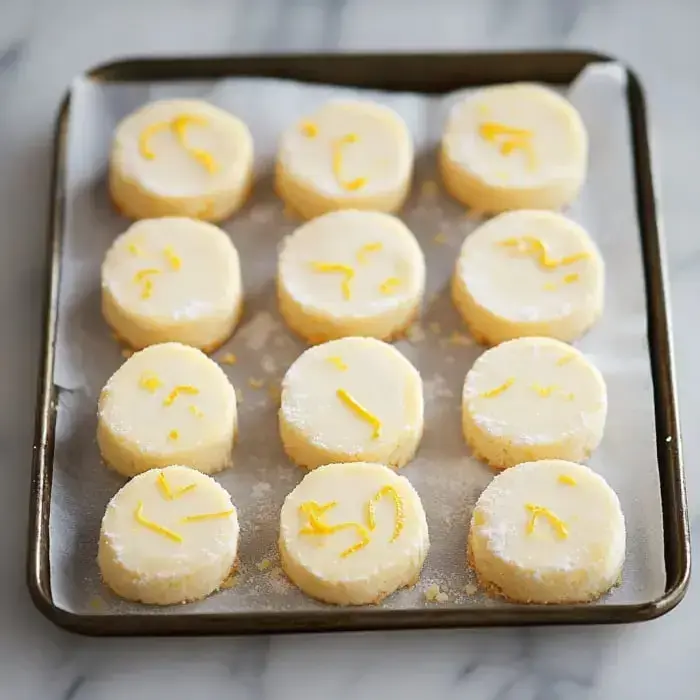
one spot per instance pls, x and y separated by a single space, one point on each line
180 158
167 404
547 532
518 146
350 273
172 279
352 534
533 398
348 154
351 400
528 273
169 536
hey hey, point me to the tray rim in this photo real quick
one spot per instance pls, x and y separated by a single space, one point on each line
672 479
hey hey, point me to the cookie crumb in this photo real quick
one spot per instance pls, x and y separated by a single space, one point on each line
228 359
127 353
429 189
433 594
263 564
256 383
415 334
457 338
470 589
440 238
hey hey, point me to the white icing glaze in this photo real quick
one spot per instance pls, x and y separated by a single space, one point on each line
534 558
558 138
382 152
375 375
142 564
316 563
511 283
174 172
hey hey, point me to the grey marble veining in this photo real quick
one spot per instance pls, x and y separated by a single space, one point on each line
43 43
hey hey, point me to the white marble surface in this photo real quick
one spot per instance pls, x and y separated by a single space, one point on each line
42 45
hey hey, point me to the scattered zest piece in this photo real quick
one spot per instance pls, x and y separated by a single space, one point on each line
207 516
173 435
345 270
309 129
398 510
498 390
389 285
359 410
351 185
566 479
337 362
150 382
183 389
509 139
173 260
141 520
536 511
366 249
228 359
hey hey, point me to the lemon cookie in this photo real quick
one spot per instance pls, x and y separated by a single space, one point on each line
169 536
351 400
528 273
350 273
172 279
180 158
548 532
352 534
167 404
347 154
518 146
533 398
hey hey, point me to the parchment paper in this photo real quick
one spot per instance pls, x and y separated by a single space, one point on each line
448 480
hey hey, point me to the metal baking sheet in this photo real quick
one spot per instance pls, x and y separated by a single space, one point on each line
70 487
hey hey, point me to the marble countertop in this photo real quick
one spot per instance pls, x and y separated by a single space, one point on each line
43 44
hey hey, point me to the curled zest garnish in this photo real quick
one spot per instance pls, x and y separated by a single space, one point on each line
345 270
141 520
169 494
536 511
314 511
309 129
207 516
337 362
398 510
509 139
351 185
498 390
150 382
183 389
173 259
366 249
566 479
179 126
537 248
142 278
359 410
389 285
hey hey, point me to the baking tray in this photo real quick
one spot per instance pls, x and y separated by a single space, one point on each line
426 73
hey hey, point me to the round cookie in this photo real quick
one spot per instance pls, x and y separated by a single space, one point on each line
172 279
518 146
528 273
169 536
547 532
348 154
350 273
533 398
352 534
167 404
351 400
180 158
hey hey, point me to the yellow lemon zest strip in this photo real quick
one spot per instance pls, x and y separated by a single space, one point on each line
571 277
337 362
316 526
150 382
183 389
557 524
138 514
179 126
509 138
309 129
173 259
499 389
398 510
388 286
173 435
351 185
361 412
345 270
207 516
165 487
195 411
145 138
141 275
566 479
134 250
366 249
565 359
